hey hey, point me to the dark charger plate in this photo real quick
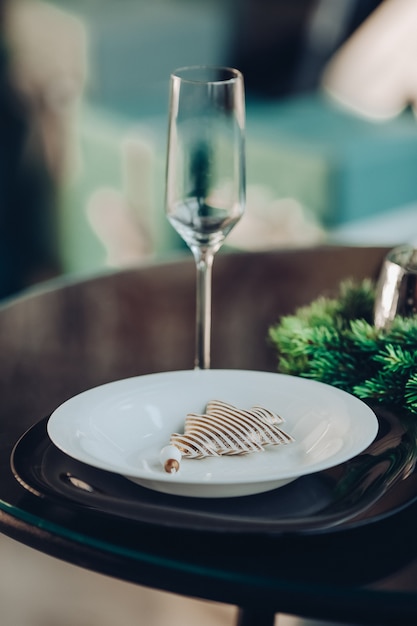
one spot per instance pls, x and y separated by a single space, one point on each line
347 496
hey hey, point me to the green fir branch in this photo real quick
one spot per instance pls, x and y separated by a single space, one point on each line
334 340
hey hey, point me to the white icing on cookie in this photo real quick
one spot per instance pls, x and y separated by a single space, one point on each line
226 430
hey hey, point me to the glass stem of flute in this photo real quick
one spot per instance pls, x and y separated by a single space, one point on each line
204 263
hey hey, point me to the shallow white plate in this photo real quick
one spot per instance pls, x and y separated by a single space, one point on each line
122 426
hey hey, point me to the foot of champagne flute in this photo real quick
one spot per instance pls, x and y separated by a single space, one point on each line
204 263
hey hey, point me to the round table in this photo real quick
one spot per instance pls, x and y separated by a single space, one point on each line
67 336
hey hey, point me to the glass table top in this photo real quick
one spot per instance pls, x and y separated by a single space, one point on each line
318 539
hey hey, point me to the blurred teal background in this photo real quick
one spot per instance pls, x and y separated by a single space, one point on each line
98 103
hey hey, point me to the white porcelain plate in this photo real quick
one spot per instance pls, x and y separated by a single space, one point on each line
122 426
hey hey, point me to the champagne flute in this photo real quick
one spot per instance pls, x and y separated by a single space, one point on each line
205 174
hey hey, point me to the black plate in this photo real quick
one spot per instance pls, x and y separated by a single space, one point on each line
354 493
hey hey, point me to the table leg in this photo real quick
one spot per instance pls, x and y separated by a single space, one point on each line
255 617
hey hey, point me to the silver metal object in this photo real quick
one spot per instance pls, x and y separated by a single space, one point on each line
396 292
